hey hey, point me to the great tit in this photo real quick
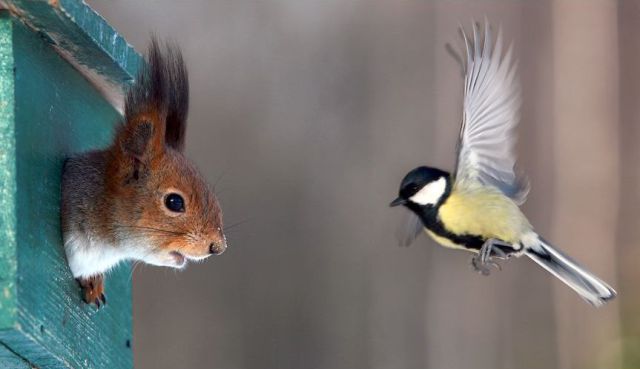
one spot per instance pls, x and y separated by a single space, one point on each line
477 207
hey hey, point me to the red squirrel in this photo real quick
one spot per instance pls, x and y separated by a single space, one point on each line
140 199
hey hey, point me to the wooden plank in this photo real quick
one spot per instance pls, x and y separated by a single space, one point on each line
10 360
57 111
8 260
85 39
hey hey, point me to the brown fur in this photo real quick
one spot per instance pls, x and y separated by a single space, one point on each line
113 201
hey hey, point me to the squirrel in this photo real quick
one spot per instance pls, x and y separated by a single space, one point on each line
140 199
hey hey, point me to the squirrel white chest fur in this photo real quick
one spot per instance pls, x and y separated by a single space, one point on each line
90 256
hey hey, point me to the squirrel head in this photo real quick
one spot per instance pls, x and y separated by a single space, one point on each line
161 208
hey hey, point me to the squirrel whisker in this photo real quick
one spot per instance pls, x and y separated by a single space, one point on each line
151 229
236 224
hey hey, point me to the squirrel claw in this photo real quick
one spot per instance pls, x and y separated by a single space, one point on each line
93 290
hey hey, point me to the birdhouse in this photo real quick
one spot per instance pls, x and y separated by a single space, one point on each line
62 73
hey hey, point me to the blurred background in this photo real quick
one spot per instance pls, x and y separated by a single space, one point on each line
306 115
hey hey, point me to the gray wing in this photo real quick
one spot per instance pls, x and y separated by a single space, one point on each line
410 228
490 114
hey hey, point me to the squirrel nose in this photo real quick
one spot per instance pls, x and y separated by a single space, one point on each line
217 248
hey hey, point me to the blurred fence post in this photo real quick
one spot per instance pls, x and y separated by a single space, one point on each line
586 172
629 225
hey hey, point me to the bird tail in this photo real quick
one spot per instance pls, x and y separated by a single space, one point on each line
588 286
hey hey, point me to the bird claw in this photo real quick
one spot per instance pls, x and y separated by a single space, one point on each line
483 262
479 267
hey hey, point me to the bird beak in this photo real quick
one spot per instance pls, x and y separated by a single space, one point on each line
398 201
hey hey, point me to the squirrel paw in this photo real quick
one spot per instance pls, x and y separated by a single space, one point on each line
93 290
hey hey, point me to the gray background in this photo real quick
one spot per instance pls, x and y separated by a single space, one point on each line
308 113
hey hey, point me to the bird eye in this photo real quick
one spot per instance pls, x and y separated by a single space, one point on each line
174 202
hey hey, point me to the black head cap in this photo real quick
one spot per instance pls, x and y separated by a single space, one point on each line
414 181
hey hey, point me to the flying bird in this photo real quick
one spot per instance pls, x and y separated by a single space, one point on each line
476 208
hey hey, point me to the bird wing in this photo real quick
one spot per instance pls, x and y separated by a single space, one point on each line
490 114
410 228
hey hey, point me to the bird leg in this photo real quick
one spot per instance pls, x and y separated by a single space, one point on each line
489 250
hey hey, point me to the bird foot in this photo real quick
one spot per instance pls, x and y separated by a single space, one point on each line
489 251
483 267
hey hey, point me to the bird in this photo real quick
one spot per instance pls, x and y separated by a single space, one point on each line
477 206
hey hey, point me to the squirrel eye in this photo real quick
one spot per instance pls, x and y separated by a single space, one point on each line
174 202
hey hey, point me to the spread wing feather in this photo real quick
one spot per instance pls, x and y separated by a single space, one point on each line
490 114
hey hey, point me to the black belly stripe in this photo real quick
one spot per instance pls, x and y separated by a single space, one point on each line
429 217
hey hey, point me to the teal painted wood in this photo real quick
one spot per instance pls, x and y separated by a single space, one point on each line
8 223
49 110
10 360
81 33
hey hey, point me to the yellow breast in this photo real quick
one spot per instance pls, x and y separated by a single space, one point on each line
482 211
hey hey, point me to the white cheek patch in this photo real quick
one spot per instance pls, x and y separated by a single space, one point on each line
431 193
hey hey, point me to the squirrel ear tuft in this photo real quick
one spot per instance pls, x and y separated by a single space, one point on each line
156 105
137 138
162 90
178 98
149 93
147 104
142 140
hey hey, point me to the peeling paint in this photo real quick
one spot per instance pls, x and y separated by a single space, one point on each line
112 92
66 23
